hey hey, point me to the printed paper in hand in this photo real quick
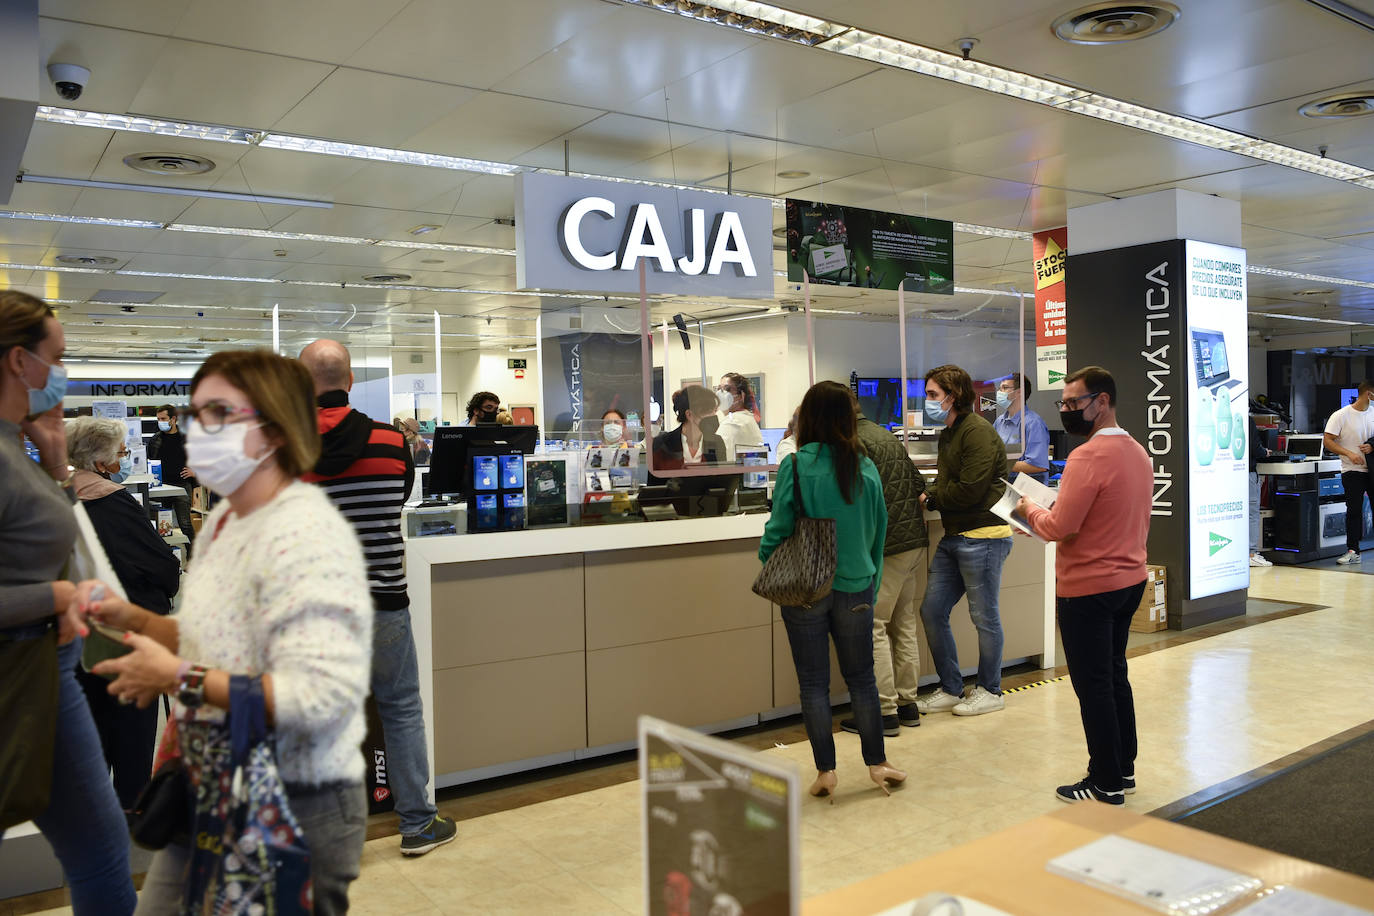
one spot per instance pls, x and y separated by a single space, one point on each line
1292 902
1034 490
1153 877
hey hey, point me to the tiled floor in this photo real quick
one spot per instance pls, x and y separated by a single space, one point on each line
1209 710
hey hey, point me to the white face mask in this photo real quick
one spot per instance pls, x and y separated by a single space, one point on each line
612 432
218 458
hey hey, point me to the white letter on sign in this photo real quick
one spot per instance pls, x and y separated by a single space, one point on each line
572 233
645 217
721 252
696 235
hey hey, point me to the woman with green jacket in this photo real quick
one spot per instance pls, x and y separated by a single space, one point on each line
837 481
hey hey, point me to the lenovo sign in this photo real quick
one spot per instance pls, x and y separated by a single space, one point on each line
583 235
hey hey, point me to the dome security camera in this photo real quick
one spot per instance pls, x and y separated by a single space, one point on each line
69 79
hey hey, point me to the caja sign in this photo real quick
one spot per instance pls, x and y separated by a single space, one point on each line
584 235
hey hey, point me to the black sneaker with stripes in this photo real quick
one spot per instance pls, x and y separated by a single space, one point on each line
1086 791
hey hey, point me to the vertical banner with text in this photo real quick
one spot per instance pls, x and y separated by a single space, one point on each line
1050 248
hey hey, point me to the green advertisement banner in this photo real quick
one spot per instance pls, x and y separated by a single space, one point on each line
850 246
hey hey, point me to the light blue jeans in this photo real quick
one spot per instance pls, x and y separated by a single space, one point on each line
963 566
84 824
396 688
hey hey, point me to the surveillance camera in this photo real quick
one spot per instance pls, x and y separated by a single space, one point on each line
69 79
1268 338
126 308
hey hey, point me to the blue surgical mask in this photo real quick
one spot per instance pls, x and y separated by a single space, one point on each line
164 425
1003 400
42 400
936 412
126 465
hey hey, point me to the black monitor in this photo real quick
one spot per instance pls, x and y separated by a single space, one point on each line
450 471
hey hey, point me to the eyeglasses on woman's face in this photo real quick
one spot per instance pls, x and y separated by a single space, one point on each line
215 415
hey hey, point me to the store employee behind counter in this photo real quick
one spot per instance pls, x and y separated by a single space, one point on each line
693 443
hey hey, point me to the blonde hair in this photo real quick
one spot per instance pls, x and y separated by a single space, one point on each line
94 440
282 392
21 320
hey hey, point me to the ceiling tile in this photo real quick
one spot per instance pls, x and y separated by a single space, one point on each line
326 30
371 108
499 126
119 61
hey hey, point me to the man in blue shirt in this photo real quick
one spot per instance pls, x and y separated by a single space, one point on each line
1012 392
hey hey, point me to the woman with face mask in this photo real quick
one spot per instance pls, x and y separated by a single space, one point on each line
613 431
278 591
740 423
40 634
149 573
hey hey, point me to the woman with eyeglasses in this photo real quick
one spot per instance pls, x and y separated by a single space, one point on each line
149 573
278 591
39 636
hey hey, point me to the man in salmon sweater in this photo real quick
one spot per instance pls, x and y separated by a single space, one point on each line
1101 519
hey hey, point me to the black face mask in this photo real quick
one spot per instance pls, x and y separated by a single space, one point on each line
1074 424
487 416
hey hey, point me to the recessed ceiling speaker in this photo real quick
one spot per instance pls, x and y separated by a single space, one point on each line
1345 105
1108 23
387 278
86 260
168 164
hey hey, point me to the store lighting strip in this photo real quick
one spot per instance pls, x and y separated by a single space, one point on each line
1316 278
777 22
1306 318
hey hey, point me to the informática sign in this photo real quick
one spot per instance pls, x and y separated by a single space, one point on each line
721 826
850 246
171 389
1219 505
1051 253
586 235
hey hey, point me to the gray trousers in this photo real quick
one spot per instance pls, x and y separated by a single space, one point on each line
334 821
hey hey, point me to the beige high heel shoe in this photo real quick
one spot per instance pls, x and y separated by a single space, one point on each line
883 774
824 786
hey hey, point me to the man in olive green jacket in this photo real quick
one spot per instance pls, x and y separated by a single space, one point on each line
972 467
896 661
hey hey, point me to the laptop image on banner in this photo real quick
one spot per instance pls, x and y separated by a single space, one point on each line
1209 356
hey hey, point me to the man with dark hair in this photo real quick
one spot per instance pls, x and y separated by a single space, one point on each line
366 470
168 445
483 408
968 561
1012 393
896 659
1101 520
1347 434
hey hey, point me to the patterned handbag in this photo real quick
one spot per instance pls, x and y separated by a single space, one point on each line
802 568
249 857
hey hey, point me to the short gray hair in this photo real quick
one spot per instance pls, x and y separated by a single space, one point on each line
94 440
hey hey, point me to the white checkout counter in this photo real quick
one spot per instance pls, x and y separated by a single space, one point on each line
543 646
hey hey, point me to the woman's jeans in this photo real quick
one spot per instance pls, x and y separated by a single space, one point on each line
848 618
334 822
83 823
963 566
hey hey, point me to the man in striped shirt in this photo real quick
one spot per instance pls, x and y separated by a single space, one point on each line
366 469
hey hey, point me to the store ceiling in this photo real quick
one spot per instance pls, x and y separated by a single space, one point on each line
637 93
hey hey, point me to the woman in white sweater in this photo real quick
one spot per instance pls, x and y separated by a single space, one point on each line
278 590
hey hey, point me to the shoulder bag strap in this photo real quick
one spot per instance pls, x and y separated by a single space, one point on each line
796 484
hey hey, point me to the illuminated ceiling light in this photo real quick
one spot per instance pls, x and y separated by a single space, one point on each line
1294 275
1304 318
748 16
179 192
992 231
81 220
141 125
439 246
384 154
773 21
264 234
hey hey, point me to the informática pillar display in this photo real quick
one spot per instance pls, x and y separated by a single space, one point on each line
1168 319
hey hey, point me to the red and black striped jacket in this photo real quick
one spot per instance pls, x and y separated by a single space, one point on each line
366 470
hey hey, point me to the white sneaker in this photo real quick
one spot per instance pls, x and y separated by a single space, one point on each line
937 701
1351 556
1257 560
979 701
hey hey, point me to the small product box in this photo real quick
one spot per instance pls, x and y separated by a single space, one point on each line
155 468
166 522
1151 615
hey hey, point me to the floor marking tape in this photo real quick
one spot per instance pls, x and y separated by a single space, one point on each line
1052 680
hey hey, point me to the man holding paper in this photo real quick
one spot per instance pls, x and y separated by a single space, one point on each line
1101 519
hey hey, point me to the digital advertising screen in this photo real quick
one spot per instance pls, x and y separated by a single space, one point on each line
1219 498
850 246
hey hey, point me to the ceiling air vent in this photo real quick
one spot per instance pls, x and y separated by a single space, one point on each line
1315 293
1345 105
387 278
168 164
86 260
1105 23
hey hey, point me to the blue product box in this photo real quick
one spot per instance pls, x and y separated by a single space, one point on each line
512 472
484 473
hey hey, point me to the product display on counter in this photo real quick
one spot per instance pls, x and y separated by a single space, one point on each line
721 826
1154 877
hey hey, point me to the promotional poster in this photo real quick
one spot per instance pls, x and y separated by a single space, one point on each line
850 246
1051 252
1219 503
721 826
